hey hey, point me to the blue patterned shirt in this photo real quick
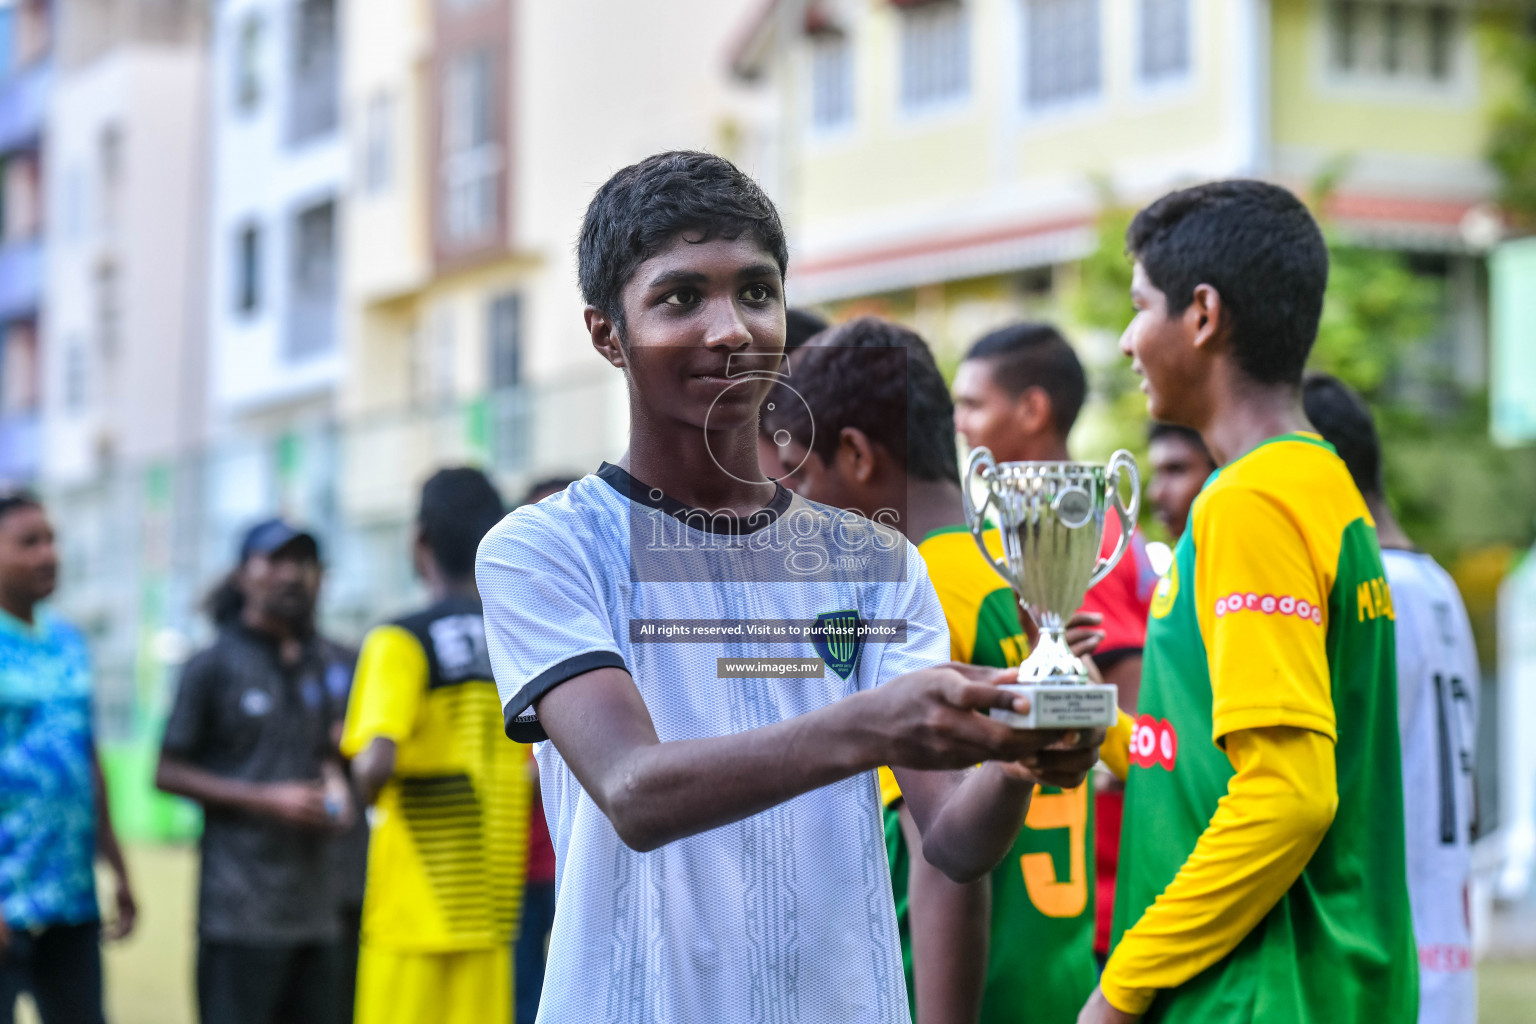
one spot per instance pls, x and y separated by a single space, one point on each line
47 792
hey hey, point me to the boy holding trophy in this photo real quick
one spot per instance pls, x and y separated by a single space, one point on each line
718 845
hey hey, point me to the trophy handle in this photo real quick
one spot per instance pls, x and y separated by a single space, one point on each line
1121 464
975 517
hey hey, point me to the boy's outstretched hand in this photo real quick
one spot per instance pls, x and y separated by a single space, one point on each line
1064 764
937 719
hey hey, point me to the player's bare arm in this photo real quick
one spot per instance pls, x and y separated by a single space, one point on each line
656 792
372 768
296 804
951 930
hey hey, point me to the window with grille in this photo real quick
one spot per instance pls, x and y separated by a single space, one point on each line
312 300
471 155
506 341
1164 43
248 269
248 64
1061 51
108 310
1392 42
831 80
509 401
379 143
109 165
314 95
76 378
935 54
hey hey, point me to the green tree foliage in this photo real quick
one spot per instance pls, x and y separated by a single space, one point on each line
1375 312
1512 136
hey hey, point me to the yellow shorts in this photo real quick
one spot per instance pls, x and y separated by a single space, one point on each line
396 987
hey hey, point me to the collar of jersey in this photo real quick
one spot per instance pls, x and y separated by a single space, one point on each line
1299 436
37 629
696 518
986 526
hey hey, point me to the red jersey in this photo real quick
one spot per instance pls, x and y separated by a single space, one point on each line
1124 598
541 852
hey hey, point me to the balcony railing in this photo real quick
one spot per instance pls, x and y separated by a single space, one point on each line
315 101
20 443
23 106
311 325
21 278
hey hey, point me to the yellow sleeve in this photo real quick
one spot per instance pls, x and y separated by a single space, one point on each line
1116 751
1261 596
1277 809
890 791
387 689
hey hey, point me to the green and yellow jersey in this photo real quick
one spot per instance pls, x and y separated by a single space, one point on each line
450 828
1040 967
1268 695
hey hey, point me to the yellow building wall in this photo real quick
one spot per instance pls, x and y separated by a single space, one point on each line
1131 122
891 160
1311 111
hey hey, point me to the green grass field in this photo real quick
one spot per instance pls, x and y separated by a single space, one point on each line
149 977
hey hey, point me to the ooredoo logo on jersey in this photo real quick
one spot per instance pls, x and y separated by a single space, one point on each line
1154 742
1269 604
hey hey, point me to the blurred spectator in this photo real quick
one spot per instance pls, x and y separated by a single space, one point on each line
800 326
54 818
251 738
1180 465
539 890
1437 681
426 735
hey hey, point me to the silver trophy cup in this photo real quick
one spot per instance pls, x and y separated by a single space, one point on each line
1050 516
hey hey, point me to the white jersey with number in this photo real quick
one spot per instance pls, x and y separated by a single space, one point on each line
1437 681
785 916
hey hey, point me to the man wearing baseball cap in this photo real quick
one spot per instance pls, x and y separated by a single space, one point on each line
251 737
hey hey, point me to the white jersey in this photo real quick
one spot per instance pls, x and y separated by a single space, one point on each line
1437 681
786 916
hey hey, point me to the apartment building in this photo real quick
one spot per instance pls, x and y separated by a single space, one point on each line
945 161
122 341
278 172
119 370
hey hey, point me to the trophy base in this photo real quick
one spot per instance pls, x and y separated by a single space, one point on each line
1063 706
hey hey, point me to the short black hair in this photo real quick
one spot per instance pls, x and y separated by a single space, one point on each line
1345 422
800 326
1036 355
1259 247
638 211
458 508
16 501
541 489
880 378
1189 435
